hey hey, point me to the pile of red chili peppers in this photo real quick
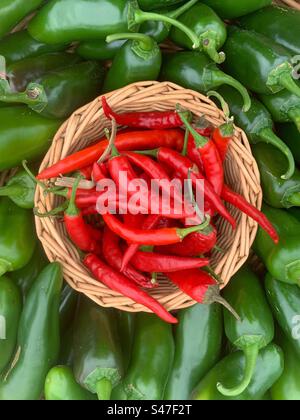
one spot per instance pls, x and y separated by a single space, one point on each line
126 252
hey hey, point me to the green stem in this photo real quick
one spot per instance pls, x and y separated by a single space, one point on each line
286 80
11 191
218 299
32 176
174 14
185 143
294 115
294 199
153 153
251 354
72 209
230 81
209 46
53 213
111 144
224 104
145 41
267 136
104 389
140 17
34 96
5 266
192 197
182 233
200 141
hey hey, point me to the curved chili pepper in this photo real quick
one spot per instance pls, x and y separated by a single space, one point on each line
185 167
142 140
222 136
150 223
121 284
99 172
195 244
151 120
78 230
164 236
200 286
86 172
113 256
152 262
239 202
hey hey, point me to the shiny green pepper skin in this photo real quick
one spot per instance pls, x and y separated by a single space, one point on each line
157 4
269 367
10 312
20 189
99 49
19 45
231 9
17 236
38 339
27 140
291 136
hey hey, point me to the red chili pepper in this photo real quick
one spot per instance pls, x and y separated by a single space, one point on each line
185 167
89 211
151 120
165 236
121 284
142 140
86 172
240 203
113 256
200 286
134 221
222 136
99 172
78 230
150 223
193 245
159 263
208 155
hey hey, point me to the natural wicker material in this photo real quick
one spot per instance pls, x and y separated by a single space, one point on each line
295 4
86 125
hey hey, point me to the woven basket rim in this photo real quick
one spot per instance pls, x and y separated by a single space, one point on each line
53 238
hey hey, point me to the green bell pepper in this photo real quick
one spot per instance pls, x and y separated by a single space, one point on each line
194 70
99 49
26 276
98 364
282 25
283 106
254 331
278 192
198 340
61 385
21 73
282 260
285 300
260 64
231 9
29 139
38 339
19 45
208 26
67 90
287 388
126 327
93 19
230 370
137 60
20 189
151 361
10 312
17 237
291 136
257 124
13 11
67 308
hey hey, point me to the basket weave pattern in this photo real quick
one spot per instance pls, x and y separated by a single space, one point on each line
85 126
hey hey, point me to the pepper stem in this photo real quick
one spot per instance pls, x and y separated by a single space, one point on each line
268 136
53 213
104 389
218 299
140 17
187 231
34 95
185 143
286 80
145 41
294 115
230 81
111 144
294 199
200 141
174 14
5 266
251 354
10 191
209 46
72 209
224 104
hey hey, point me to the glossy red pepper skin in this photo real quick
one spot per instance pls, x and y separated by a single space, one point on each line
222 136
113 256
80 234
118 282
136 140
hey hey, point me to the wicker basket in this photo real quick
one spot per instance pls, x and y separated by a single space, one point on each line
85 126
294 4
